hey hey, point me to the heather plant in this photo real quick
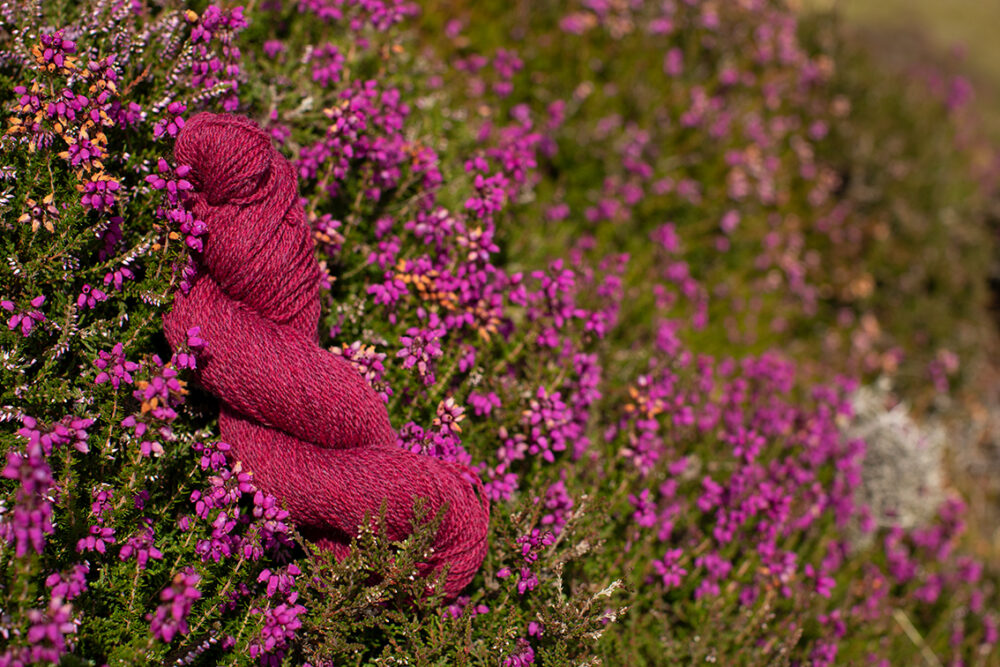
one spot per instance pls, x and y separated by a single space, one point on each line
129 536
600 291
798 184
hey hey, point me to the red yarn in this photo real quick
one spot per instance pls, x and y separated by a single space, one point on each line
302 419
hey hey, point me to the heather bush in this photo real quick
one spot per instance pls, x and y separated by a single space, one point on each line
606 254
800 185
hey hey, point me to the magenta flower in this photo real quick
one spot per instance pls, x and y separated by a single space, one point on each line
98 539
141 546
100 195
25 319
170 618
461 606
280 582
420 348
522 656
559 503
328 62
115 368
483 405
171 125
669 568
280 624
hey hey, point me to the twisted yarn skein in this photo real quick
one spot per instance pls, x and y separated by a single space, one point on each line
302 419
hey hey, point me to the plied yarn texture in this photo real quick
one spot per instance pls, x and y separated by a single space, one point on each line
302 419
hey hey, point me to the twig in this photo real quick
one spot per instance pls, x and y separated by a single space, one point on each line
918 641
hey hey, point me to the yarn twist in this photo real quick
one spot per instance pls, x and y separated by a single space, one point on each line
302 419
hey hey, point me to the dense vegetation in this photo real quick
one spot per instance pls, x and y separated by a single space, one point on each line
640 264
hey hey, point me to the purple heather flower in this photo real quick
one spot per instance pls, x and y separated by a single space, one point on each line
558 503
97 540
100 535
100 195
141 546
824 582
729 221
645 509
26 319
991 630
835 621
170 618
501 483
115 368
420 348
273 47
673 62
461 606
118 277
328 63
185 359
531 547
528 581
280 624
483 404
557 212
140 499
70 585
443 443
171 125
280 582
47 634
669 568
523 655
30 519
823 654
370 364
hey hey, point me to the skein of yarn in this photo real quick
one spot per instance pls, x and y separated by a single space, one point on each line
302 419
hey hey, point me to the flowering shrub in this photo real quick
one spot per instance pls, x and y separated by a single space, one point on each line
632 304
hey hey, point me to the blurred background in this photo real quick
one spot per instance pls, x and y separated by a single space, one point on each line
962 31
938 41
